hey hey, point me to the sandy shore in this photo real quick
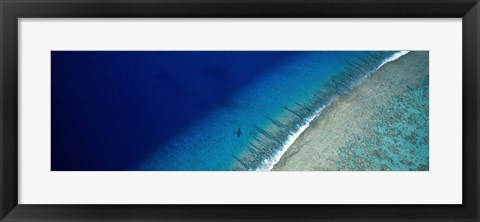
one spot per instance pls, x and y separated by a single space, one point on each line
380 125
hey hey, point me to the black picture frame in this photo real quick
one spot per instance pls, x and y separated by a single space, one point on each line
11 10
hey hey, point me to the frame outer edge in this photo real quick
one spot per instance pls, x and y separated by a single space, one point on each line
471 107
476 62
2 210
8 109
8 104
477 58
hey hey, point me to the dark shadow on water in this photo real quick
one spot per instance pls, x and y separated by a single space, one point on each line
112 109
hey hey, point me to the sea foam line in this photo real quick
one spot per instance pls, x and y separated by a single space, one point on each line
267 164
395 56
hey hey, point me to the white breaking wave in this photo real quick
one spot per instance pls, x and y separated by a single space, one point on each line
395 56
267 164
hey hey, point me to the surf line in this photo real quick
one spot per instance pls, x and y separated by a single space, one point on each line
267 164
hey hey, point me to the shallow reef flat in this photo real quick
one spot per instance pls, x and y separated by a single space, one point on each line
380 125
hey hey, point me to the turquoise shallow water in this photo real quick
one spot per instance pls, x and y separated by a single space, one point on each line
251 129
398 138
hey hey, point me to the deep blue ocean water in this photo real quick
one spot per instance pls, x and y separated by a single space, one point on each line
190 110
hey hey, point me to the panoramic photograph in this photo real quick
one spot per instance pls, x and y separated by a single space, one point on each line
239 110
